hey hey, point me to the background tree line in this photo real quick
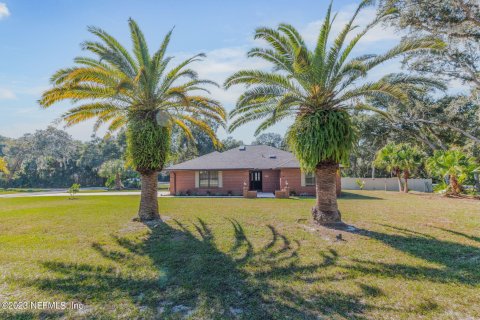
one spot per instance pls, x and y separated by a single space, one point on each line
51 158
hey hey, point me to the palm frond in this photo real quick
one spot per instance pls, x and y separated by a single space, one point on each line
182 125
334 61
259 94
321 47
271 121
251 115
114 45
407 46
293 35
379 88
367 107
252 77
113 58
281 62
140 48
276 40
205 127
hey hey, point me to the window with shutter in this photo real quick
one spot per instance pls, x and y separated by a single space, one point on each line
309 179
208 179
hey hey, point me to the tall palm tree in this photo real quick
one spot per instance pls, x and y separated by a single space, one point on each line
140 92
3 166
317 87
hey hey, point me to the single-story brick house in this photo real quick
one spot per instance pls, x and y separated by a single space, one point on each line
259 167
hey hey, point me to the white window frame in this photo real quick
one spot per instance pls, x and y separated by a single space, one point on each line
218 181
305 176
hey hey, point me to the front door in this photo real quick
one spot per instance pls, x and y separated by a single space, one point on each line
256 180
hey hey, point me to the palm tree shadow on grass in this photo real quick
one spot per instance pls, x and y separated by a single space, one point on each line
461 234
30 315
195 278
456 262
345 195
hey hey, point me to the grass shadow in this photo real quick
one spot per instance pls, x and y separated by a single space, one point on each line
30 315
454 262
345 195
461 234
192 277
355 196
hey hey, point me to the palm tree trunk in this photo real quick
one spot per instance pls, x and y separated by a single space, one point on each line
477 182
326 209
406 175
148 202
118 182
455 188
400 187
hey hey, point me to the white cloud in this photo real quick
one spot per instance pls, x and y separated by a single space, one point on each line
4 12
7 94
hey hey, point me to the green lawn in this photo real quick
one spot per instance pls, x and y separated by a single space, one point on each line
107 190
161 187
411 256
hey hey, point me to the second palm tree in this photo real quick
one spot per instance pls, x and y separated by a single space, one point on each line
317 88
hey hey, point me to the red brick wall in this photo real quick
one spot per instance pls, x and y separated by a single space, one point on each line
293 176
183 181
270 180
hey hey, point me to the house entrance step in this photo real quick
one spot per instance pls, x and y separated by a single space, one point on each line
265 195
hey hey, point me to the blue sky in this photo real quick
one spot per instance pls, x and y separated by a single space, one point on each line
39 37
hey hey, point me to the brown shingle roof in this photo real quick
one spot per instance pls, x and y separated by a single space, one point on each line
253 157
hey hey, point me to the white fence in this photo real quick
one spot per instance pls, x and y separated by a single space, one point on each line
387 184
